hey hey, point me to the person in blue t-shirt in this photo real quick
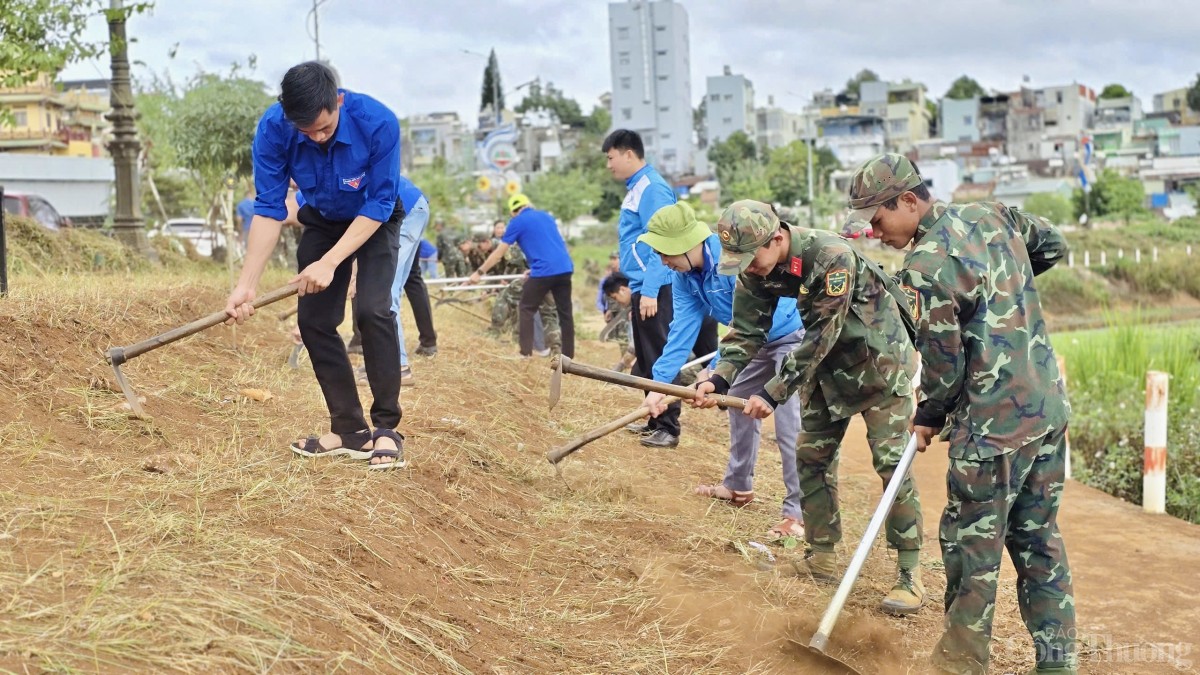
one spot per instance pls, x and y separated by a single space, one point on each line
550 270
691 250
342 149
427 257
245 213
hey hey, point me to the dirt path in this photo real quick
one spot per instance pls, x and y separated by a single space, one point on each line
1136 582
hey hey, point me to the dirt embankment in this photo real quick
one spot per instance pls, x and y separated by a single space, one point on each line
194 541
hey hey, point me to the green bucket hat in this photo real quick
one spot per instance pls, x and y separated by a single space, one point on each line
674 230
744 228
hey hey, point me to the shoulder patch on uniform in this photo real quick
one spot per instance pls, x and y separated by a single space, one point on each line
914 301
836 282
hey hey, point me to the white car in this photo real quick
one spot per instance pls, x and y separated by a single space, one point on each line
205 239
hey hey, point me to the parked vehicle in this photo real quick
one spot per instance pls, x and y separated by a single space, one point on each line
36 207
208 242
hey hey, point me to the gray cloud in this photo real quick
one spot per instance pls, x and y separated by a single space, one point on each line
409 54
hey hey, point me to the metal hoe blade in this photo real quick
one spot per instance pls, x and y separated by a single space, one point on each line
556 380
116 356
829 664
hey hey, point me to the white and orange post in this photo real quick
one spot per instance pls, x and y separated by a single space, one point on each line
1062 372
1154 466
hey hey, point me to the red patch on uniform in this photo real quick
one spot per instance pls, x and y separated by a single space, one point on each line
796 267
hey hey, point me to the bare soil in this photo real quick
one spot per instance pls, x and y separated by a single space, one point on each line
195 542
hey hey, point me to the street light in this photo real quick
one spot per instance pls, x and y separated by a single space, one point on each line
495 84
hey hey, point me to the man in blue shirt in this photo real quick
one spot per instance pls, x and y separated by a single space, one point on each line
649 280
245 213
343 151
691 250
550 270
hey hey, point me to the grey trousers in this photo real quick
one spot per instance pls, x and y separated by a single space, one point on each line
745 433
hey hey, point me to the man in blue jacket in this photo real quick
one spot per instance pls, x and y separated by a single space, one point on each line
688 248
550 270
342 149
649 280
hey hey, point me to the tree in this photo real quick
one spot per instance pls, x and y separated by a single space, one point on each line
1049 205
43 36
855 83
599 122
746 179
212 130
1115 91
493 89
566 194
1193 95
964 88
549 98
934 117
724 155
787 172
1113 195
443 190
698 123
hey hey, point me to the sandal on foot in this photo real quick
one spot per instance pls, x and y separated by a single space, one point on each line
397 455
736 498
788 527
350 445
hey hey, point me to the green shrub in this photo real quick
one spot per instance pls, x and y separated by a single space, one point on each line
1071 289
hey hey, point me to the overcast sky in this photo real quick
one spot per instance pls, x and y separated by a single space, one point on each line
408 53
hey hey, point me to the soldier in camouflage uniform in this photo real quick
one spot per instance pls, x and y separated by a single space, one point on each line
989 368
855 358
454 262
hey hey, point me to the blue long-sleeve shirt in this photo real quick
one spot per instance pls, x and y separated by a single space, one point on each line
648 193
356 175
704 292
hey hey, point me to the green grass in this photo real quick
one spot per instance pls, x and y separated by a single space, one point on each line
1106 372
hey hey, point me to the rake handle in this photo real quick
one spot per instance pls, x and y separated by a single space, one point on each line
119 355
612 377
560 453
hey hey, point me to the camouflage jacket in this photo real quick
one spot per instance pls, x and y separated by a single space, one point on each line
985 351
855 350
512 262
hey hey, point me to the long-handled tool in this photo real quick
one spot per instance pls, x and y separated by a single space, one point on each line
562 364
463 280
119 355
820 639
556 455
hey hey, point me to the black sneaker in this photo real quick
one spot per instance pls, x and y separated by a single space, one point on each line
426 351
660 439
640 428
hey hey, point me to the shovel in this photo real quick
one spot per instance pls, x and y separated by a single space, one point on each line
119 355
816 646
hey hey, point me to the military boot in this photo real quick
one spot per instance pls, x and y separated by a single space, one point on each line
1056 670
907 596
820 565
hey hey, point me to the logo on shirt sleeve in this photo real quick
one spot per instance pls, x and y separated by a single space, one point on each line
836 282
356 181
914 301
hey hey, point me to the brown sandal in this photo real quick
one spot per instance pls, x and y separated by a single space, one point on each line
734 497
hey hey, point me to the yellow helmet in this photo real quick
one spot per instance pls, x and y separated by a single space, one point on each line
517 201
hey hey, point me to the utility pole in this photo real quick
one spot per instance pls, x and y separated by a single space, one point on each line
124 146
316 29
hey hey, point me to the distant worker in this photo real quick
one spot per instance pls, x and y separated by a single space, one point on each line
550 269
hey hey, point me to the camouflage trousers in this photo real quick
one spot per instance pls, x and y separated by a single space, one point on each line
1009 501
505 312
455 265
817 450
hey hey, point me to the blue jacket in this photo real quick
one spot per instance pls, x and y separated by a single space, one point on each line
357 176
408 194
701 293
648 193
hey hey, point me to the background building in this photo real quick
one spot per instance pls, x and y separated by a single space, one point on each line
729 107
651 76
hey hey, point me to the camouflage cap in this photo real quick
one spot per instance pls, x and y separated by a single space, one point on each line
881 178
481 238
744 227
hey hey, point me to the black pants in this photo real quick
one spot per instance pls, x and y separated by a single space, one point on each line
649 338
418 301
320 314
535 290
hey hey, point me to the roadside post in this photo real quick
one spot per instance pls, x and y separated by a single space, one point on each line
3 250
1154 466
